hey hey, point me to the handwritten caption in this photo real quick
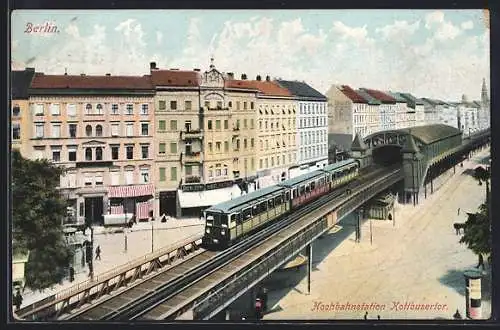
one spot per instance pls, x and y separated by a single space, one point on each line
47 27
395 306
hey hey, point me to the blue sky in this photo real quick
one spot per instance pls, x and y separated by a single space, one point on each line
441 54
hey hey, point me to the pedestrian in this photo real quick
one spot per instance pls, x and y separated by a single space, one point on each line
378 317
98 253
366 316
480 261
71 274
258 308
457 315
458 212
18 299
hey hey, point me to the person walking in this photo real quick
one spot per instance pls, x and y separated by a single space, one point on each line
98 252
71 274
480 261
458 211
18 300
457 315
366 316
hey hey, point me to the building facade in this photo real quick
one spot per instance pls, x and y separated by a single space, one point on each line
312 127
20 115
100 128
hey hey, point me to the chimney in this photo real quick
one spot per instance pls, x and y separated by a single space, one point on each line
268 78
259 78
174 69
152 66
82 74
108 74
243 76
196 69
230 75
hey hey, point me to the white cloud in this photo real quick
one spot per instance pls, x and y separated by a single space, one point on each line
467 25
400 29
447 31
358 34
434 17
159 37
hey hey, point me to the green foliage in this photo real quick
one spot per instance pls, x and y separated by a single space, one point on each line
37 210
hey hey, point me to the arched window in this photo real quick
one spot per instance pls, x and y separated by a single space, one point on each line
88 109
88 130
88 153
99 109
98 130
98 153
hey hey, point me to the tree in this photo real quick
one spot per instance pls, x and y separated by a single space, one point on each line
37 210
483 175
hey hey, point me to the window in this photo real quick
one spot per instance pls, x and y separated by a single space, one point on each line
39 130
210 173
130 152
129 176
173 147
187 105
88 179
210 146
114 129
251 122
130 129
244 123
161 148
209 124
237 105
144 129
238 144
88 130
56 155
99 110
72 130
144 175
173 174
226 124
145 152
217 124
187 125
251 142
16 131
72 154
162 105
226 146
173 105
88 109
230 104
245 144
98 153
251 105
98 130
173 125
55 110
115 178
38 109
163 175
130 109
88 153
115 152
161 125
217 146
219 105
144 109
56 130
244 105
189 170
114 109
16 110
98 179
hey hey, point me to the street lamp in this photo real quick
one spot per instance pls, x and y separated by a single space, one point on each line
125 229
152 237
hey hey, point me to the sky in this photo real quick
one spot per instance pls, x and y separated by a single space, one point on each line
429 53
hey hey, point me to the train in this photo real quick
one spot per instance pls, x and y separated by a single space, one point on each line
230 221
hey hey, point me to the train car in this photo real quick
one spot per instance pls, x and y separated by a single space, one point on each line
306 187
227 222
341 173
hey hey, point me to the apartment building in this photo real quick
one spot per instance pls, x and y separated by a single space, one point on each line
418 106
431 109
312 126
100 128
377 113
20 116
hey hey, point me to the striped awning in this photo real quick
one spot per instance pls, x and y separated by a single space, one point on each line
142 210
116 209
131 191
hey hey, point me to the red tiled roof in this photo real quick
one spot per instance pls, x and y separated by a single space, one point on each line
175 78
350 93
265 87
380 96
42 81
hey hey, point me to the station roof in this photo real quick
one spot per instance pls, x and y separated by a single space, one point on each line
431 133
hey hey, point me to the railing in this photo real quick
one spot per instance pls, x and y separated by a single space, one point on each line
194 157
191 134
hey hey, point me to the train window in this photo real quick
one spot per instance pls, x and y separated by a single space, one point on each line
287 196
209 219
263 207
247 214
313 185
236 218
217 220
333 176
270 203
277 200
302 190
307 189
294 193
255 210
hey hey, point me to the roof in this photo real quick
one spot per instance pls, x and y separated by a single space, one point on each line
352 94
413 100
232 205
42 81
301 89
397 96
384 98
370 99
299 179
433 102
410 145
270 88
175 78
20 83
334 166
431 133
358 144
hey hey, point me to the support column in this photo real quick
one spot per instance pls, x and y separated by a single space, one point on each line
309 267
425 190
358 227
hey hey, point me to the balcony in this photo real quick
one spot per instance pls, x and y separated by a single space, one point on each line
191 157
191 134
192 179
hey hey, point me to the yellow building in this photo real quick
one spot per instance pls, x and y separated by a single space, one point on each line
100 128
20 123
